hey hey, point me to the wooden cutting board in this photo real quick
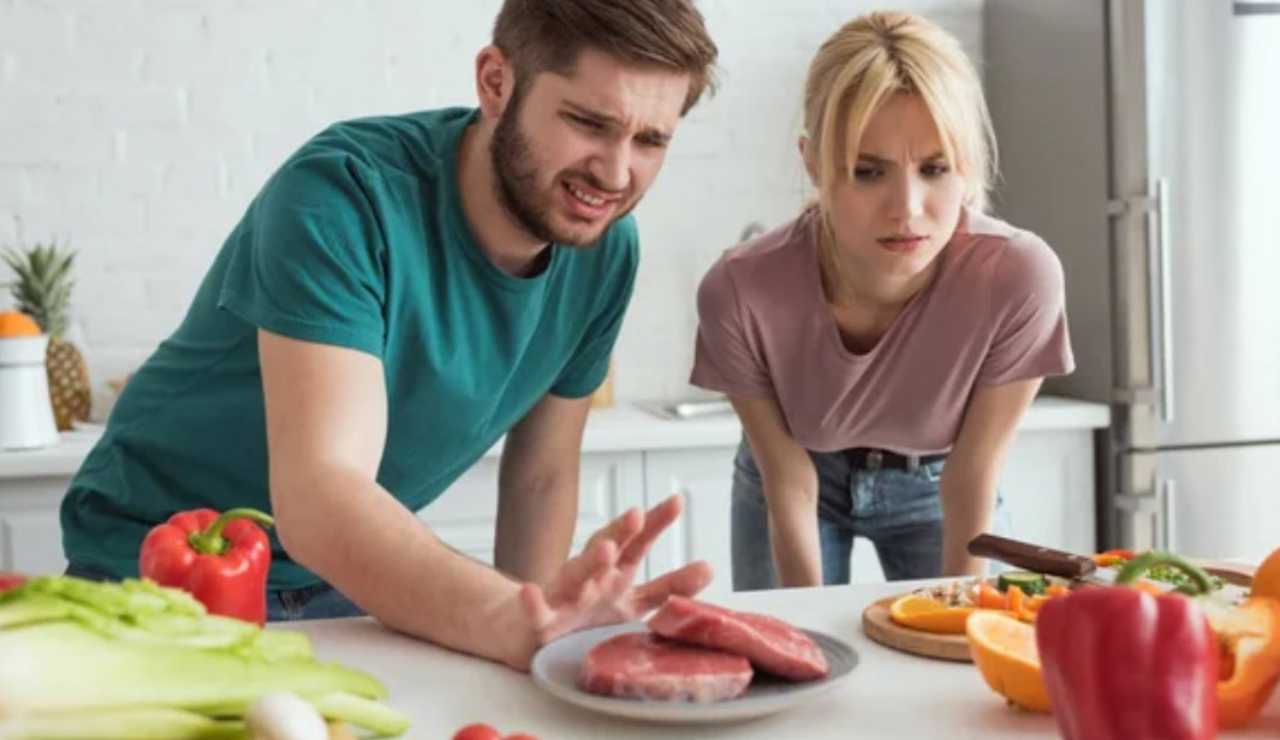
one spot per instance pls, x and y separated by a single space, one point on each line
880 627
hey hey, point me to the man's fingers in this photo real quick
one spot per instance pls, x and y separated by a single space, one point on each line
621 529
686 581
535 606
591 564
655 523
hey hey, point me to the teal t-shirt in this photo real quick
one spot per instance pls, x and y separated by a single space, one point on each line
359 240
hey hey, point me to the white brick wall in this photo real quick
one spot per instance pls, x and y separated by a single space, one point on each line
140 129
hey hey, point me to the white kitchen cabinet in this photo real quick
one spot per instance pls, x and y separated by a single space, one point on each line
30 534
463 516
1048 488
703 478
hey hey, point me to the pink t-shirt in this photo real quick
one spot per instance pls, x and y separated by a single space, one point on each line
992 313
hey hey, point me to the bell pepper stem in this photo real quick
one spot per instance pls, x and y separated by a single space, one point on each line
1134 569
211 542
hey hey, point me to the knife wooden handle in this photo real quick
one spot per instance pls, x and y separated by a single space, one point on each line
1032 557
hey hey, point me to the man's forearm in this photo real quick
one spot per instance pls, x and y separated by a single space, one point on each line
352 533
536 519
967 503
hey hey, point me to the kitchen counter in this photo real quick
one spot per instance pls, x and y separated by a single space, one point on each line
889 695
623 427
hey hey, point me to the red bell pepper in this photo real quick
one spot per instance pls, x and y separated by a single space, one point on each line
222 560
1122 664
10 580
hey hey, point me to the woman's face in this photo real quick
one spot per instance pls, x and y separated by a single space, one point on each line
902 204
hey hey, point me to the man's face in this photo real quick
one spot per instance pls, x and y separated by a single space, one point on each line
572 154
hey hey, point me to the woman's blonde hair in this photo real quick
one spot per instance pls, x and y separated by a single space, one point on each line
875 56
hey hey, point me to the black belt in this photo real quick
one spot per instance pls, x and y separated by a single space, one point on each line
869 458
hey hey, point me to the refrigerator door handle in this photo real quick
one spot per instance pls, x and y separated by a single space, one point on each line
1168 505
1160 296
1254 7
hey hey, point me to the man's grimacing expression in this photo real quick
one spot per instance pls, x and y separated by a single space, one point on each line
573 153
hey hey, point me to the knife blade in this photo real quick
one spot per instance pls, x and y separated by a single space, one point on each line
1048 561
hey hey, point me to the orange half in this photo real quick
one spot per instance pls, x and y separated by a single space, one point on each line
929 615
1004 650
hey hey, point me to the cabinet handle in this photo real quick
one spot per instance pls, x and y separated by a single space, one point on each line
1168 522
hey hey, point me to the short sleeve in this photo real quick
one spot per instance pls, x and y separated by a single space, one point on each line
1029 313
309 264
724 358
589 365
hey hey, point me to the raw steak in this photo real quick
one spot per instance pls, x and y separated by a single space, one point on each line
642 665
770 644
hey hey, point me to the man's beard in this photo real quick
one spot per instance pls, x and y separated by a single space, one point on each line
516 178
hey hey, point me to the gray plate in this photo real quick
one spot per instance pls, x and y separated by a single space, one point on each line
555 670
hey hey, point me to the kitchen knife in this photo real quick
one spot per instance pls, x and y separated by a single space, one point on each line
1047 561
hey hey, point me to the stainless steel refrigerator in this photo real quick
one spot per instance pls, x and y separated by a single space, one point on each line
1141 139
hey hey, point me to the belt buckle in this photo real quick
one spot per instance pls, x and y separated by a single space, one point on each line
874 459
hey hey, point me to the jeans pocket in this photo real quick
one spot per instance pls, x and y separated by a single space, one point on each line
907 498
931 471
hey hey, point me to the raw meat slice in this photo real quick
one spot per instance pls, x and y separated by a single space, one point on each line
770 644
642 665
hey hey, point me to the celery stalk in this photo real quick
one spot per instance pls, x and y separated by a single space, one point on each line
148 723
361 711
73 652
60 666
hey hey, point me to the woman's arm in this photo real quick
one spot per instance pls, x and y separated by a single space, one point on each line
968 487
790 490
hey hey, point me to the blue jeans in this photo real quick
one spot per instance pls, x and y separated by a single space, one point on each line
320 601
899 511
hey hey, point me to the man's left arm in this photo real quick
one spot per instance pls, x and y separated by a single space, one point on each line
968 486
538 489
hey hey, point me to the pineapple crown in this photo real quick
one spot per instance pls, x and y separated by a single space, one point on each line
44 283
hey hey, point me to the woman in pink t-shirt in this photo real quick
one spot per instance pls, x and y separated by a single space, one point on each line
881 347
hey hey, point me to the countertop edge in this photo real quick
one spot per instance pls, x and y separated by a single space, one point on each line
622 428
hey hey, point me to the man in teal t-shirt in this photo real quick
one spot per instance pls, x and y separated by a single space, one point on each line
402 292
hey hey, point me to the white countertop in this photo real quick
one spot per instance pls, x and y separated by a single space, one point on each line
621 428
889 694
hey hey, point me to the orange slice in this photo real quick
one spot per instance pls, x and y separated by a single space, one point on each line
1004 650
929 615
17 324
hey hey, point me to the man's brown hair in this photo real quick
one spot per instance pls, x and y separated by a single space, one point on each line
548 35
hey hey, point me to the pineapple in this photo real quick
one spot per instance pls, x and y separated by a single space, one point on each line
43 291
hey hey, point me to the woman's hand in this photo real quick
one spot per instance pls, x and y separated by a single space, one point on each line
596 587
